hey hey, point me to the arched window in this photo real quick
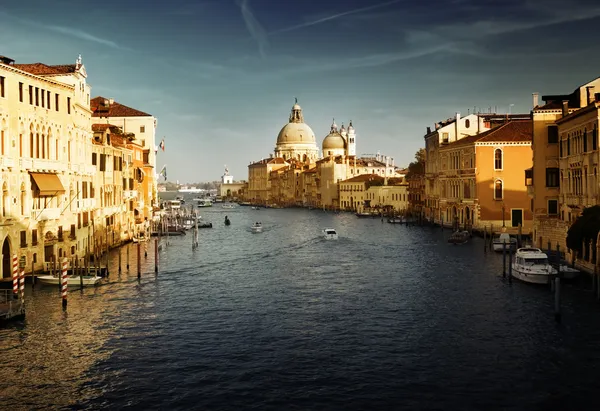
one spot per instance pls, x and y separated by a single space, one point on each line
467 123
498 190
498 159
4 199
23 199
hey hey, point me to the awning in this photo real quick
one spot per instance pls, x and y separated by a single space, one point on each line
48 184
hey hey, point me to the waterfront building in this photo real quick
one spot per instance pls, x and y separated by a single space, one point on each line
228 188
578 167
545 181
45 133
372 191
280 179
480 178
143 125
259 184
445 132
416 194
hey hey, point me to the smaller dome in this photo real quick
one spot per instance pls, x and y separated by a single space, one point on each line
296 107
334 141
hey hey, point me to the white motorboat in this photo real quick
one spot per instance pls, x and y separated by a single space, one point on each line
531 265
204 203
71 280
228 205
257 227
497 243
330 234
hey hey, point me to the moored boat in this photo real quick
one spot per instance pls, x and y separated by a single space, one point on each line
73 280
497 242
531 265
459 237
394 220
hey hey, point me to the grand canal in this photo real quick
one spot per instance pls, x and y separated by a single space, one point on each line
387 317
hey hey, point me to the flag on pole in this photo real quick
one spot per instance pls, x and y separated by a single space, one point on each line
162 144
163 172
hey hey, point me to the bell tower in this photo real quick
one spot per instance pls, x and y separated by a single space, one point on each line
351 140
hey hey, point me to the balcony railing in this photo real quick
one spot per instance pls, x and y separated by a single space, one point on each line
7 162
46 214
47 165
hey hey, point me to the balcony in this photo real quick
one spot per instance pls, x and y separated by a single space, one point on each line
573 200
6 162
44 165
46 214
467 171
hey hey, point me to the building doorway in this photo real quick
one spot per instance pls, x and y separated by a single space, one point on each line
6 265
48 253
516 216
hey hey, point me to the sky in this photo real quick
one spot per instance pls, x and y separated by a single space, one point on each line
221 75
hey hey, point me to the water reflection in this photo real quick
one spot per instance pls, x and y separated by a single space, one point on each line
387 315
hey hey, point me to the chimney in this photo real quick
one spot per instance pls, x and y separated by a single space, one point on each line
565 108
591 94
536 99
111 101
428 130
456 128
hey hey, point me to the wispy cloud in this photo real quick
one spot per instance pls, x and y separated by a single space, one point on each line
335 16
72 32
257 31
84 36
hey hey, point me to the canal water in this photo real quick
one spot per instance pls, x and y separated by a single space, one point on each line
387 317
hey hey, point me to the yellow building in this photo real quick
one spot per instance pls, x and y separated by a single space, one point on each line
372 191
544 178
445 132
259 185
143 126
481 178
578 166
46 177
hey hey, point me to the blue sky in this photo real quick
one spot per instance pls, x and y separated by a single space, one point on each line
221 75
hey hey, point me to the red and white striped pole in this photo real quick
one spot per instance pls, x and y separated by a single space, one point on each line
15 276
22 283
63 279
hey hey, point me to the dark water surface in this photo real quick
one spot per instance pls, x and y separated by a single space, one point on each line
387 317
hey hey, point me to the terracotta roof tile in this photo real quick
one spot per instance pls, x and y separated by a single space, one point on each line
513 131
100 109
41 69
364 177
103 127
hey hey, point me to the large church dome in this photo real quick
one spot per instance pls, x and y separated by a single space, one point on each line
296 133
296 139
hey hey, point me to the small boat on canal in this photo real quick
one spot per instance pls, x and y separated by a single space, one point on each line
459 237
257 227
72 280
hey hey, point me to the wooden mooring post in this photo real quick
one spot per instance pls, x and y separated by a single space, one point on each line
139 260
120 249
557 314
510 258
156 255
504 259
484 239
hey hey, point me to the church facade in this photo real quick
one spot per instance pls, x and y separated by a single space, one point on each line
295 174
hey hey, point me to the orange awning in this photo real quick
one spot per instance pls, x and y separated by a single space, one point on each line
48 184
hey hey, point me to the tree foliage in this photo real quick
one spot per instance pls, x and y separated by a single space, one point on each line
585 228
417 167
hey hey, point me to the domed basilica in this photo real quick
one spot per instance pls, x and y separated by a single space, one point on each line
296 140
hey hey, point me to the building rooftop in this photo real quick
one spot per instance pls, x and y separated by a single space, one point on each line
103 107
41 69
513 131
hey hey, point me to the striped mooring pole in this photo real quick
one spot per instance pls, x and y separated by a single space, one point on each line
15 264
22 283
64 283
